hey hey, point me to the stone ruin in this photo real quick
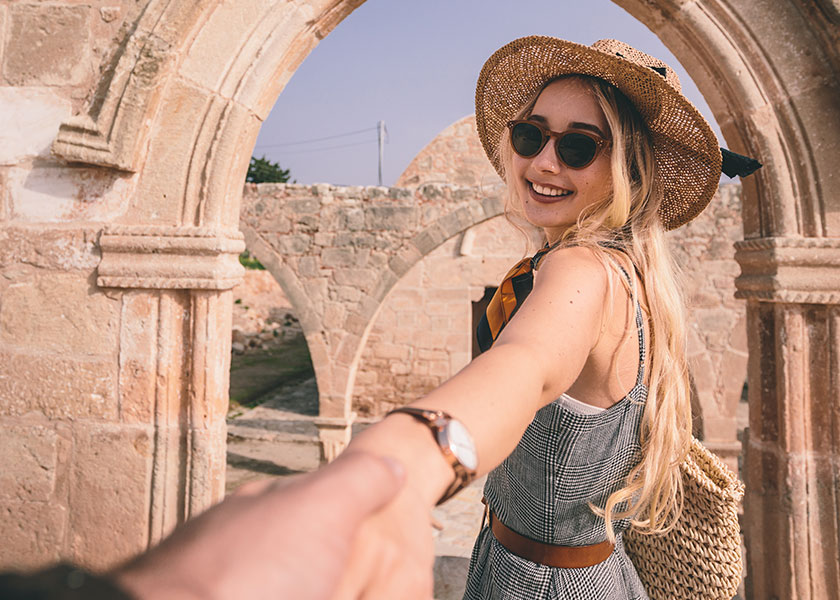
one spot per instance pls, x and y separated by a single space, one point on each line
119 237
423 331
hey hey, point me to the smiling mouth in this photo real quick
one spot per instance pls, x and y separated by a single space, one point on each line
548 192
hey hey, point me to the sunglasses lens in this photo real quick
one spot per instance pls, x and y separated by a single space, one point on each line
576 149
526 139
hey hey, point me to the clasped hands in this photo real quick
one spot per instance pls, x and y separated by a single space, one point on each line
351 530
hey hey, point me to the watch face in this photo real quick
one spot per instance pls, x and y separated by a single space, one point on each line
461 444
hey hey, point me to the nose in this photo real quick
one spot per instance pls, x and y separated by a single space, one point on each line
547 161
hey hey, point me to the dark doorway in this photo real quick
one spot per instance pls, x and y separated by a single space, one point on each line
478 309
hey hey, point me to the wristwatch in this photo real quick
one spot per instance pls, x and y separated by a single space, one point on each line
455 443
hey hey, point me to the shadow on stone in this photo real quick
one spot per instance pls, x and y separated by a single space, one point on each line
258 466
450 577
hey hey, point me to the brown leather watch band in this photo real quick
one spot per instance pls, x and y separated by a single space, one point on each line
436 420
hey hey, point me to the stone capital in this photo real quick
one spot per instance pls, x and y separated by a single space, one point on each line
789 269
154 257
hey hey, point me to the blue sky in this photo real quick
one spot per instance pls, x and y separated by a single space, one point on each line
414 65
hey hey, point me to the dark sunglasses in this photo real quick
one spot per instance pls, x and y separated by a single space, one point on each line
576 149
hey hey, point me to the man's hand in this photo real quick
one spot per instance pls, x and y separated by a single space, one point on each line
269 540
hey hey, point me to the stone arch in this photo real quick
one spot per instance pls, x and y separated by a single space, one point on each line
337 252
771 82
421 245
455 156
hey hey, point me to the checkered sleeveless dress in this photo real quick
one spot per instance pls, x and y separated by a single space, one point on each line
564 461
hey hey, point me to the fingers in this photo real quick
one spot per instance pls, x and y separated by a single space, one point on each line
252 488
361 483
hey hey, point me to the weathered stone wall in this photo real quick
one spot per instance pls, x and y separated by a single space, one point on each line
74 447
337 251
422 334
717 333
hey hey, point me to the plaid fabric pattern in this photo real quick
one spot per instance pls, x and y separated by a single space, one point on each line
564 461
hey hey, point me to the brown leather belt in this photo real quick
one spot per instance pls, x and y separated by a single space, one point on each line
565 557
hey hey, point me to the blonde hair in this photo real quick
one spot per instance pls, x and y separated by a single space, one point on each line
628 219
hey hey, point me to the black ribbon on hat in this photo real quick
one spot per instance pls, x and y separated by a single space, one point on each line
737 164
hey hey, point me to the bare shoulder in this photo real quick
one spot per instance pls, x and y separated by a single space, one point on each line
577 266
559 323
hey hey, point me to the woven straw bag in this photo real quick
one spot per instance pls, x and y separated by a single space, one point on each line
700 558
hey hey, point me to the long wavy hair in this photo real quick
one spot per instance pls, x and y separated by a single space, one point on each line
625 226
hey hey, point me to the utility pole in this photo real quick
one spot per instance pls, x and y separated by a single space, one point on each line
380 129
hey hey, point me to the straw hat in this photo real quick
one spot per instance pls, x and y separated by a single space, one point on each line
685 148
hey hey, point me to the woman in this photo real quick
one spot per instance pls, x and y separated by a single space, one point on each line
581 406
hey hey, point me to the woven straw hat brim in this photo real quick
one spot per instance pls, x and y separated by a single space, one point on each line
685 148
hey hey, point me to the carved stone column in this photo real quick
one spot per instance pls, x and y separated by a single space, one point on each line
792 504
174 283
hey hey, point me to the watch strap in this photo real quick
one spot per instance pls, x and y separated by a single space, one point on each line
463 476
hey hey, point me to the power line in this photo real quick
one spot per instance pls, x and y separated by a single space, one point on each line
326 147
321 139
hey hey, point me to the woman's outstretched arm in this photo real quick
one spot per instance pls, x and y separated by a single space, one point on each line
536 358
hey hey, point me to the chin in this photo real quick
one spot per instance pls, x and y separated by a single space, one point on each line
543 222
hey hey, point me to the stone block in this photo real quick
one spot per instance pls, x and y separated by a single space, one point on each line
365 378
55 194
439 369
429 239
458 360
399 368
360 278
27 462
3 18
218 43
166 173
58 388
304 206
405 299
333 315
452 296
429 340
391 218
357 240
702 369
109 493
391 351
32 532
291 245
423 354
352 219
386 320
59 312
338 257
4 204
719 428
59 249
47 45
316 293
137 357
437 308
29 120
323 239
307 223
308 267
355 324
732 377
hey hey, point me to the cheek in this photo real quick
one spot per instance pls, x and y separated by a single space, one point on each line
600 180
518 165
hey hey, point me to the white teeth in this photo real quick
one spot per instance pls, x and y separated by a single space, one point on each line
544 191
